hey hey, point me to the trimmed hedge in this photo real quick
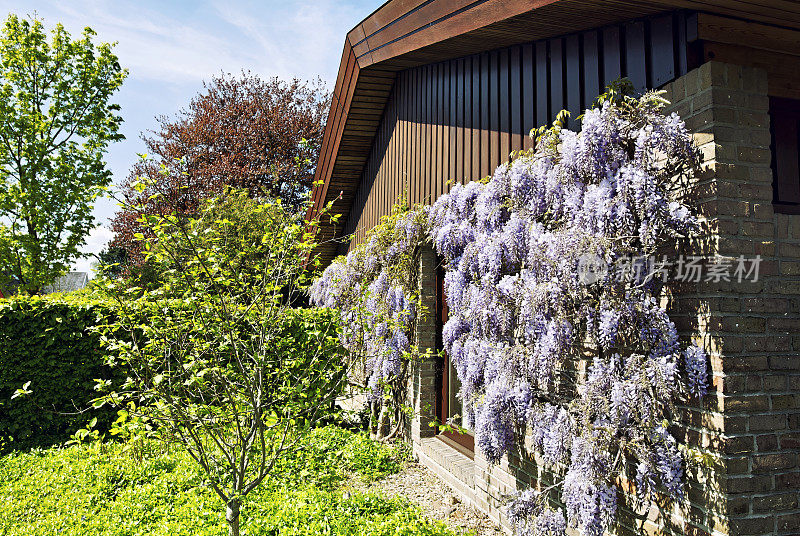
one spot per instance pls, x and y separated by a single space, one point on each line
48 341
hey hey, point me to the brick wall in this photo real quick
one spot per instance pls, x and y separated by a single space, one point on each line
749 423
753 328
422 388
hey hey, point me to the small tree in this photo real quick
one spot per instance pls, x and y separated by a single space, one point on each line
56 123
262 136
218 355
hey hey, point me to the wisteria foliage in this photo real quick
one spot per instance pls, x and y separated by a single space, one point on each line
374 288
589 368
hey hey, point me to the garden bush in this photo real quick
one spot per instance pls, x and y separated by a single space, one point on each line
49 341
55 343
213 361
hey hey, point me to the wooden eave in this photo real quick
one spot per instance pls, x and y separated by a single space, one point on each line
406 33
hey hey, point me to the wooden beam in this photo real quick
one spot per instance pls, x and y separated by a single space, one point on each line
753 34
783 70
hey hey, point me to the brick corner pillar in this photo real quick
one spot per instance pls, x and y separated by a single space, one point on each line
750 420
423 372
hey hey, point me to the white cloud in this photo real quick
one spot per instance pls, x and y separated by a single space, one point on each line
167 43
150 44
303 38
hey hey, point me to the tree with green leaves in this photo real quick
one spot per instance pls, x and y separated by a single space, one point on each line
218 355
56 122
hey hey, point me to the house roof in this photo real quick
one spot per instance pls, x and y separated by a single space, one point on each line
406 33
68 282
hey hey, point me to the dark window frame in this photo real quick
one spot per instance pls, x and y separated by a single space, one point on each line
465 443
785 146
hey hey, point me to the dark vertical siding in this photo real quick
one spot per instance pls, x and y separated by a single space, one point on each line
493 158
635 54
611 55
661 62
542 89
556 71
591 68
456 121
528 93
515 96
483 147
573 67
475 125
504 104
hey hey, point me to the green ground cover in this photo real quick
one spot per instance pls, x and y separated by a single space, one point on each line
111 489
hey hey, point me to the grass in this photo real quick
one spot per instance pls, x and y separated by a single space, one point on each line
102 489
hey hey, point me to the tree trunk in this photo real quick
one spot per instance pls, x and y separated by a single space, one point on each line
232 517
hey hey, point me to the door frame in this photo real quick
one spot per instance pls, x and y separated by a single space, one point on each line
465 442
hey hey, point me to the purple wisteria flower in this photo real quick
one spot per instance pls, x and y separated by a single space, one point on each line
522 319
696 369
372 289
586 369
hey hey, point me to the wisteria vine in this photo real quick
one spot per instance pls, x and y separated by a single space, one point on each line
374 287
590 368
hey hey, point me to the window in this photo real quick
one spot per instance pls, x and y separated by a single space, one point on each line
448 406
785 126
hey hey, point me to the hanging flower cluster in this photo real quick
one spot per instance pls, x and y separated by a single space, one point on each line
588 363
374 289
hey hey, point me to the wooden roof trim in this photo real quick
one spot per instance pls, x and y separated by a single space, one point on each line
432 22
337 117
387 14
754 35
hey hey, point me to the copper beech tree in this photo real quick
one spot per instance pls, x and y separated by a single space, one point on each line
244 132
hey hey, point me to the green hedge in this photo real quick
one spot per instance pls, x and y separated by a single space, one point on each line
48 341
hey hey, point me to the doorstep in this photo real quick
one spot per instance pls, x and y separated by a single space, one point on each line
453 467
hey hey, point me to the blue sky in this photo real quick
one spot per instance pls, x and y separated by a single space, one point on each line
171 47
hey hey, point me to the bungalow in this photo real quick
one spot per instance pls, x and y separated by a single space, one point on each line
439 90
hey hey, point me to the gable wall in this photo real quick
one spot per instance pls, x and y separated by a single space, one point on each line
458 120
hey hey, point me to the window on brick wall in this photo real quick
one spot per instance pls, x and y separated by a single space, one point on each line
448 405
785 126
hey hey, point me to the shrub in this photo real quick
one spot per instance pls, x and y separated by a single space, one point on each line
49 342
53 342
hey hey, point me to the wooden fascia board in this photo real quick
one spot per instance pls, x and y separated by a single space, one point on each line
447 20
337 117
333 114
388 13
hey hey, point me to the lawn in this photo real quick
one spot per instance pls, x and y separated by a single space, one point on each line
112 490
